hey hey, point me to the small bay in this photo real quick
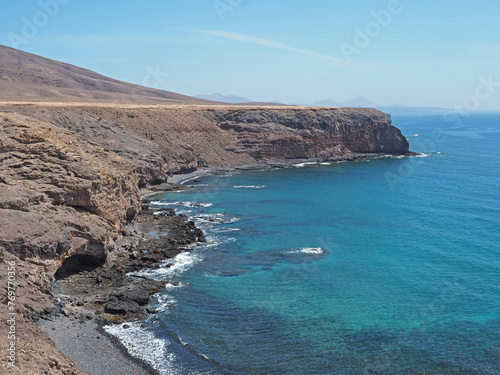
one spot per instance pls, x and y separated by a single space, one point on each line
387 266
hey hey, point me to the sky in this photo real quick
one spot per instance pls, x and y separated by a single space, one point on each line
439 53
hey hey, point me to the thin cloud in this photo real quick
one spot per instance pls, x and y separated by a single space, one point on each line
271 44
106 40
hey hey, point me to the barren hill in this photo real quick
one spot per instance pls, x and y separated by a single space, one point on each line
28 77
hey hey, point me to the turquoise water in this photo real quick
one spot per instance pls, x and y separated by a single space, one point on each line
388 266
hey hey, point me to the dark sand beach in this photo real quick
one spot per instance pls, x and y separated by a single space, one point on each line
91 348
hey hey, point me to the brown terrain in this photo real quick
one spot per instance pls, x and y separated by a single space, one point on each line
75 147
30 78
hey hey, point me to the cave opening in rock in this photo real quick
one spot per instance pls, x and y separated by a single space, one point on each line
77 264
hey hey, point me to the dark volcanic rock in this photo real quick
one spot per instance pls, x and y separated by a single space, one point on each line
122 307
128 300
108 290
139 295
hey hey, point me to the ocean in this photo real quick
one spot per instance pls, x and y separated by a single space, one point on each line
387 266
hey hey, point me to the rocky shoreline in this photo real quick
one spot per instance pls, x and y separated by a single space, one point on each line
107 295
108 292
86 301
71 209
70 206
77 306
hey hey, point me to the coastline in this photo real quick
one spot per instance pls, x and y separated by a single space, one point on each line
72 173
84 302
92 349
179 181
75 328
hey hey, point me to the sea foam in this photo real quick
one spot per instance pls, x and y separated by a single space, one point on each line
302 165
249 186
308 251
163 204
172 267
141 343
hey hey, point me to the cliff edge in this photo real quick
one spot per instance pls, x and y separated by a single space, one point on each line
63 199
165 140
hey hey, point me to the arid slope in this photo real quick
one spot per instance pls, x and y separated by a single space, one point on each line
28 77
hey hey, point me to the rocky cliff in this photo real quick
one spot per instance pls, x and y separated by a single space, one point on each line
63 199
164 140
304 133
66 193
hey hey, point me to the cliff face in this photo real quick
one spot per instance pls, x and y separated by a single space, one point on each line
302 133
70 170
158 141
161 141
62 198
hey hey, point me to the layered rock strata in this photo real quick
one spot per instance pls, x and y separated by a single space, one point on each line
63 199
165 140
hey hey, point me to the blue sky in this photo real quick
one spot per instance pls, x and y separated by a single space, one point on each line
419 53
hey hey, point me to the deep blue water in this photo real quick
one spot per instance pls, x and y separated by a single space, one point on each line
388 266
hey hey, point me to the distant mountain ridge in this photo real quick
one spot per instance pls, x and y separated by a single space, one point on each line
359 102
232 99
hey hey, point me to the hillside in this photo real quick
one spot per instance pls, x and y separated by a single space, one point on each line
163 133
230 99
28 77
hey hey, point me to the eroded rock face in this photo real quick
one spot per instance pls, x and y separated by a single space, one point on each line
61 196
161 141
311 132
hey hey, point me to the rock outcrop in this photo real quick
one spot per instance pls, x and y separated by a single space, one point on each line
36 352
165 140
63 199
304 133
